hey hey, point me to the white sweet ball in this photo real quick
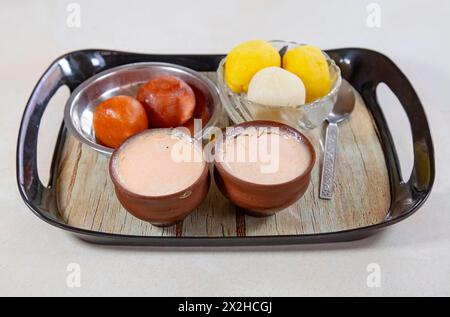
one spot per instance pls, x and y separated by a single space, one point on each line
275 86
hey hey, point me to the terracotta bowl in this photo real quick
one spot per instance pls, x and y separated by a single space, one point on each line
264 199
164 210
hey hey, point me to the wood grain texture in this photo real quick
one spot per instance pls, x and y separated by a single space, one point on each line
86 198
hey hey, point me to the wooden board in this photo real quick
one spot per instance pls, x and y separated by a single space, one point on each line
86 198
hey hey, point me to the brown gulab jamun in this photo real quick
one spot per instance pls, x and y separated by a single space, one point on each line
168 100
118 118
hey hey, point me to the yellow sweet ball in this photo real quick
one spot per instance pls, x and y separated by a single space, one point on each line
309 63
245 60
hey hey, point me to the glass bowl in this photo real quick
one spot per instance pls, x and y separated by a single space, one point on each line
306 116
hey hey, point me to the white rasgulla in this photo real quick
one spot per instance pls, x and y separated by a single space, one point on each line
275 86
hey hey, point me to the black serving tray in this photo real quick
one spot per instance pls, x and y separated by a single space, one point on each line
363 68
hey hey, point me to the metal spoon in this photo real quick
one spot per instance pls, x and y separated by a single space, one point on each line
342 109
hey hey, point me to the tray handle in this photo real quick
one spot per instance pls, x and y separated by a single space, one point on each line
375 68
34 193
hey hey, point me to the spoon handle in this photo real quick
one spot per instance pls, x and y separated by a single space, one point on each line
329 160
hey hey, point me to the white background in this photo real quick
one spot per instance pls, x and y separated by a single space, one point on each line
414 255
